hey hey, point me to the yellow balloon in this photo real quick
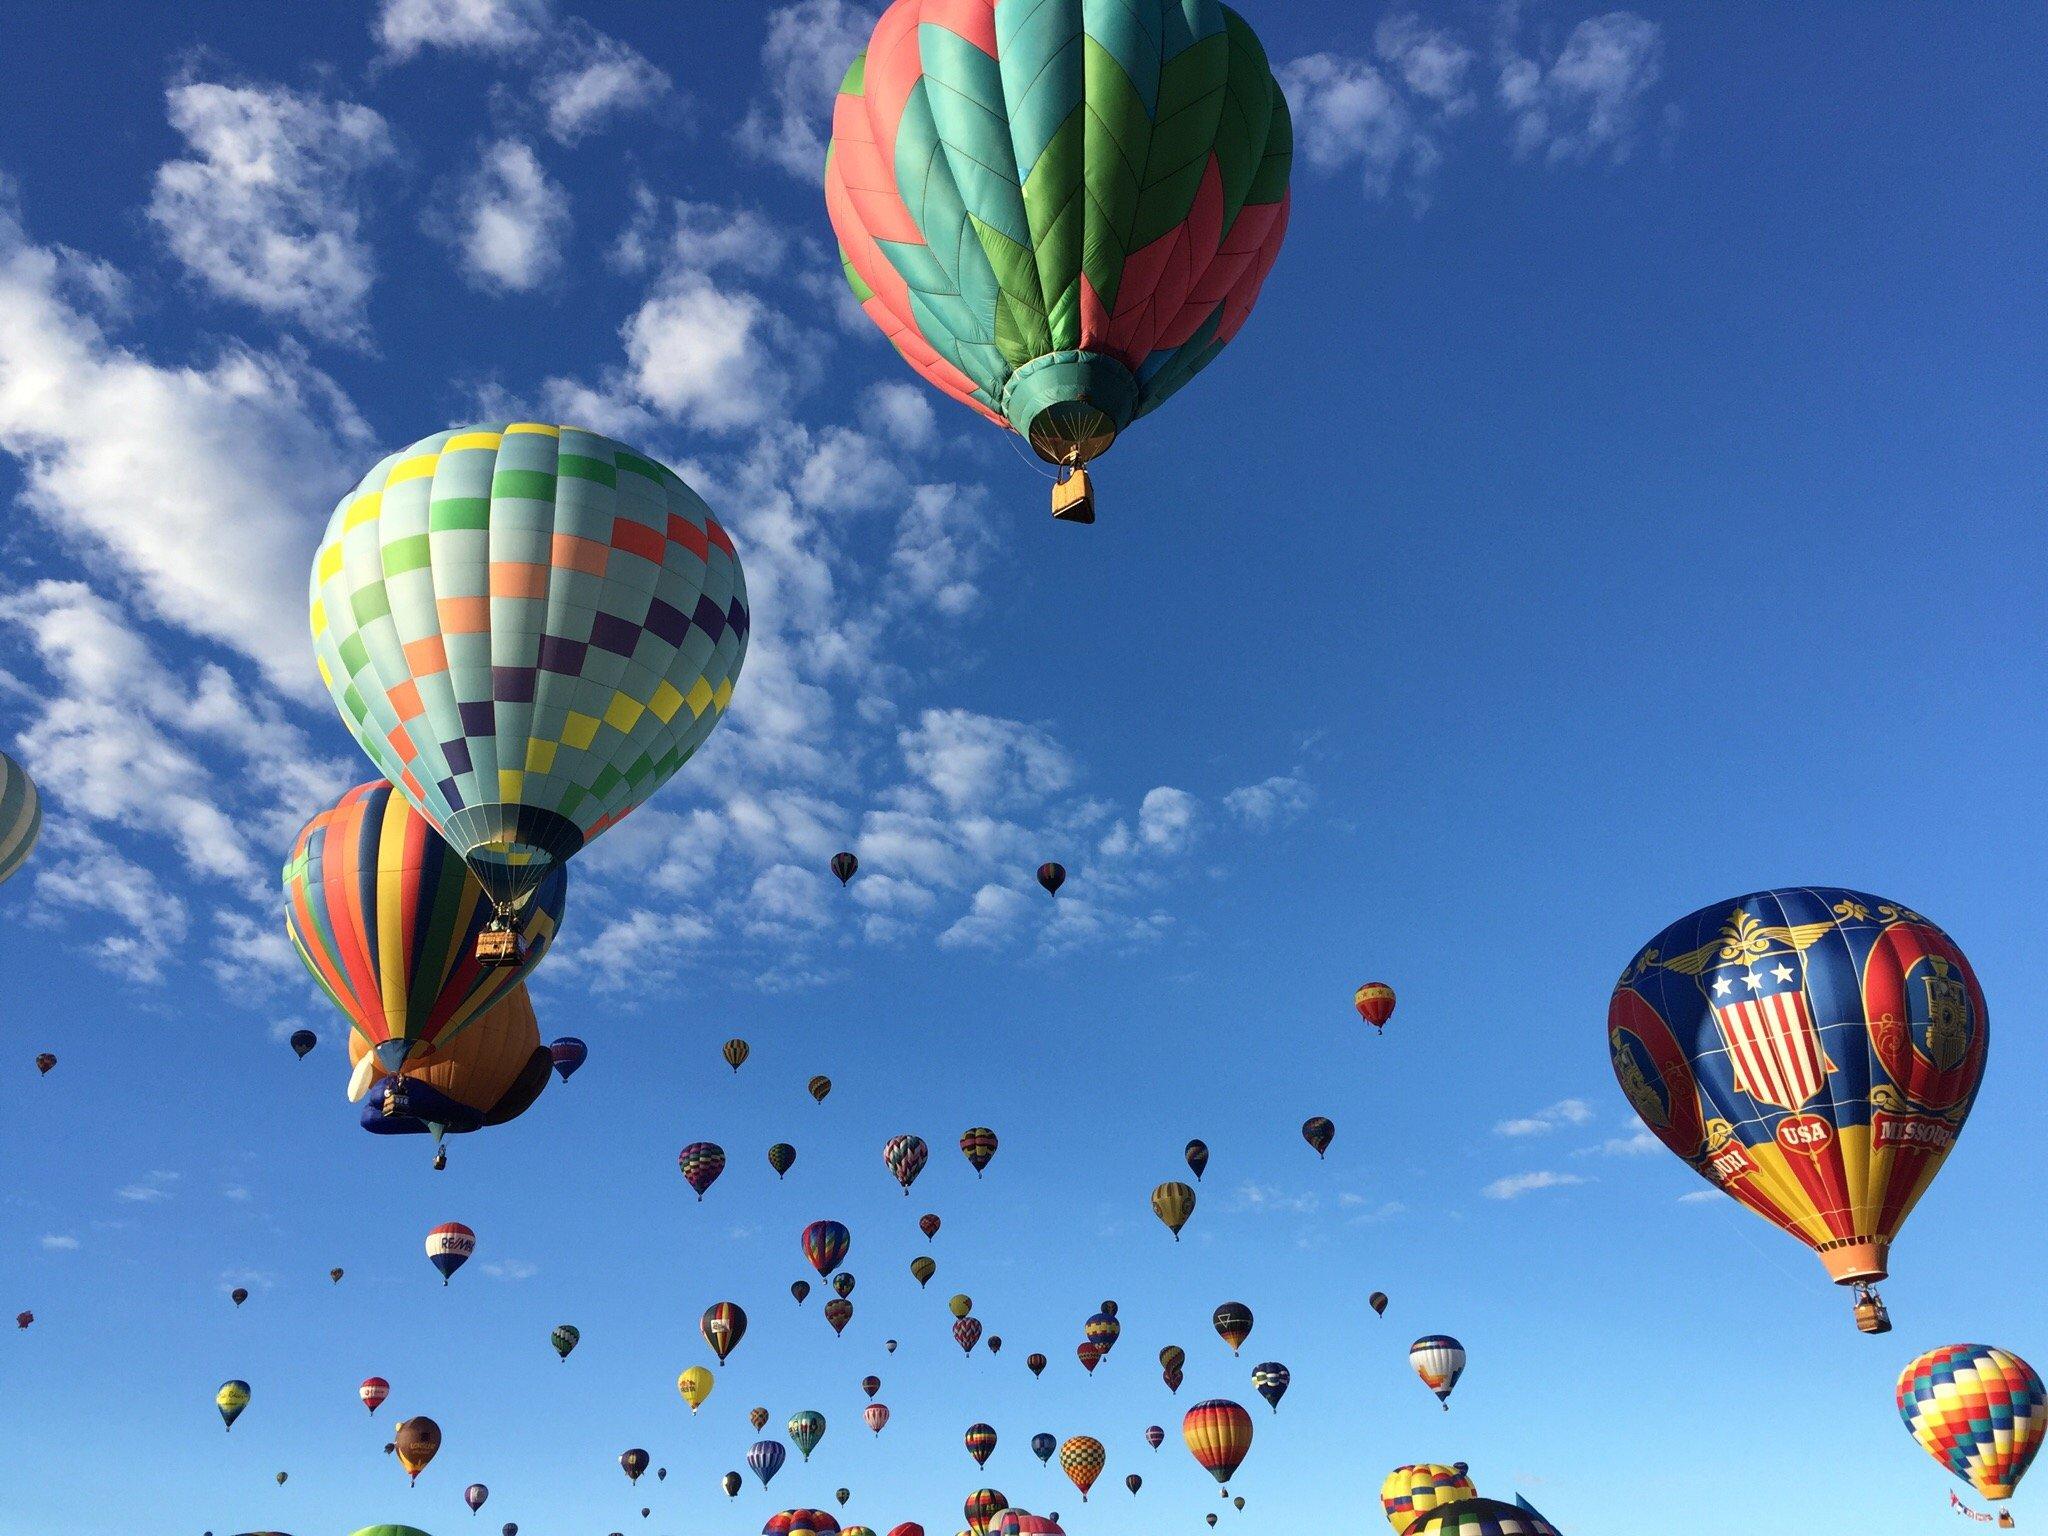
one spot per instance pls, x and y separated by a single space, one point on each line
695 1385
1173 1203
960 1306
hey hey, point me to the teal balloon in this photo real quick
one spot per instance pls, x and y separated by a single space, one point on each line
21 816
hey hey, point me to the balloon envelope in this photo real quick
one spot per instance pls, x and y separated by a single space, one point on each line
1418 1488
1978 1410
21 816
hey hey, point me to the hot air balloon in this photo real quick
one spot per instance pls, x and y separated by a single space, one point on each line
1042 1446
1979 1411
1173 1203
238 1295
816 1521
567 1054
995 1343
386 918
907 1528
842 1495
839 1312
1318 1131
799 1289
981 1442
231 1399
701 1163
782 1158
979 1144
1154 1436
373 1391
1415 1490
489 1074
1198 1158
660 1475
1218 1433
1081 1459
967 1333
1233 1323
416 1441
24 1319
875 1415
1480 1517
1035 1364
474 1496
1375 1003
1238 1502
723 1325
21 816
870 1385
1172 1358
580 591
1103 1330
736 1052
1107 1309
1052 877
1212 1521
981 1506
1270 1381
449 1246
1172 1379
1439 1360
46 1060
928 1224
695 1385
758 1417
302 1042
922 1269
843 1283
1089 1353
731 1484
633 1463
844 865
1812 1052
960 1305
806 1429
1378 1302
889 1346
905 1156
565 1338
820 1086
1021 1522
1134 1482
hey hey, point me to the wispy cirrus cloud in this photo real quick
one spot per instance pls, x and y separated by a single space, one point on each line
1565 1112
1516 1185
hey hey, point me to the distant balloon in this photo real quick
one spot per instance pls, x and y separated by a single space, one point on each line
701 1163
960 1305
231 1399
723 1325
1375 1003
980 1441
1979 1411
1415 1490
1035 1364
373 1391
1318 1131
1481 1517
567 1054
1172 1379
995 1343
983 1505
922 1268
1081 1459
1198 1158
1154 1436
633 1463
758 1417
1134 1482
302 1042
565 1338
806 1429
1173 1203
1052 877
474 1496
1219 1434
842 1495
449 1247
875 1415
45 1060
844 865
871 1385
21 816
1103 1330
736 1052
1270 1381
23 1319
928 1224
661 1474
1043 1445
889 1345
731 1483
1439 1360
238 1295
417 1440
782 1158
1211 1519
820 1086
967 1333
799 1289
1172 1358
1378 1302
695 1385
1233 1323
283 1478
905 1157
334 1275
509 1529
979 1144
843 1282
1089 1353
839 1312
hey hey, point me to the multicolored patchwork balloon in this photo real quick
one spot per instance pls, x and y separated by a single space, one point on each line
1812 1052
906 1157
701 1163
21 816
979 1144
528 628
1418 1488
1481 1517
1979 1411
385 917
1059 211
1081 1458
825 1244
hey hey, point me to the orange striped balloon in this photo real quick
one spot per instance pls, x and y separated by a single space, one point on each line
1219 1433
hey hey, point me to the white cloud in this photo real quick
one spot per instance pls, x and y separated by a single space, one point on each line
1347 113
144 923
997 914
404 27
1270 1198
507 222
1280 798
1637 1144
901 414
203 488
1431 62
943 539
153 1187
1588 100
810 46
510 1269
984 762
1516 1185
594 79
1563 1112
265 212
1698 1196
59 1242
1168 820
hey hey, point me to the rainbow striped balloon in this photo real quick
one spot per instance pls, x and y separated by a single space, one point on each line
1979 1411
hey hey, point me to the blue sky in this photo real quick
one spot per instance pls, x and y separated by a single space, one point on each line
1627 494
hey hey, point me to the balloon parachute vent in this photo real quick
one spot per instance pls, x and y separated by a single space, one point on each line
1073 497
498 947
